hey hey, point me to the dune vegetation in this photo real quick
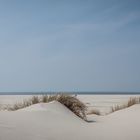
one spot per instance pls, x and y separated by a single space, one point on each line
94 111
132 101
71 102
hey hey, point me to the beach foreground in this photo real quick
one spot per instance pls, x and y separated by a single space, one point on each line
53 121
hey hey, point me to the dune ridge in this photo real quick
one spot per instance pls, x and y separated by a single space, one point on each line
54 121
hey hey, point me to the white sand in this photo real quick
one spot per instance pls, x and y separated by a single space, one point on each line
53 121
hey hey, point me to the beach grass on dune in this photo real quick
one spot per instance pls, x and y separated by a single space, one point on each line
94 111
71 102
132 101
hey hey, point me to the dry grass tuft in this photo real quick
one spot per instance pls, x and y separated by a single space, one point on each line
34 100
95 111
75 105
131 101
69 101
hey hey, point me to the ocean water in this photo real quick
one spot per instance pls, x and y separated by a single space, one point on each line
71 93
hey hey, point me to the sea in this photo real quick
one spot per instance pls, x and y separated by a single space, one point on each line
71 93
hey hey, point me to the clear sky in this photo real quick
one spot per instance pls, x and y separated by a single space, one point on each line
69 45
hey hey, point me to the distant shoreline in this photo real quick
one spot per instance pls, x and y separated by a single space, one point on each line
78 93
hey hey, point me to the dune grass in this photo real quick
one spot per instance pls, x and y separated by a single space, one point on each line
71 102
94 111
132 101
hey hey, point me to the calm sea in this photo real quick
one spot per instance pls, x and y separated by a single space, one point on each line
78 93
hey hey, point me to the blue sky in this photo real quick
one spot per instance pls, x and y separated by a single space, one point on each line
70 45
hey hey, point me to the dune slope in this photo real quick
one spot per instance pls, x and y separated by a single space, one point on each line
53 121
42 121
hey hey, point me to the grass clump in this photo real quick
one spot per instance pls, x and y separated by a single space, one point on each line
95 111
25 103
75 105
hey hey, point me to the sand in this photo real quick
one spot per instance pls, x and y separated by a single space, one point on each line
53 121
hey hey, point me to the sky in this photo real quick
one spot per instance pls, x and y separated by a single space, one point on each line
69 45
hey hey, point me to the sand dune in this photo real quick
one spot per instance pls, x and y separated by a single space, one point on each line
53 121
40 122
120 125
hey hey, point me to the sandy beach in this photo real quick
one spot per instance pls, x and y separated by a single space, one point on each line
54 121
